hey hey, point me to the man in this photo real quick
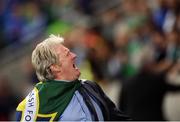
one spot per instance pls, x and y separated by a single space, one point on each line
60 96
142 96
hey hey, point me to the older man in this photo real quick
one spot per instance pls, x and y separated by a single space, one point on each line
60 96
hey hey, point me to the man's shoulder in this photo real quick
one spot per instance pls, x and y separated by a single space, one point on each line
92 87
33 93
86 81
21 106
89 83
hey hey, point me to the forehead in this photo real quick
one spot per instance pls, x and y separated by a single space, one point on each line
59 48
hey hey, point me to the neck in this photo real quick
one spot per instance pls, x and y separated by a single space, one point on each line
66 80
62 80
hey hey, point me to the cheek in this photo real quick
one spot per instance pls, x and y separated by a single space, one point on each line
67 66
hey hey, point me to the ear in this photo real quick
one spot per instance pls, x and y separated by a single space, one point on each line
55 68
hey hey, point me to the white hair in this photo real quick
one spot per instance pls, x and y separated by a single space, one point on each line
53 40
43 56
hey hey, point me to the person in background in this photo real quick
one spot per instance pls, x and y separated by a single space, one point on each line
142 95
8 101
60 95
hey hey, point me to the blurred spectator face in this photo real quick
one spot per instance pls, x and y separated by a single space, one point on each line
76 37
109 16
134 6
128 6
158 39
101 49
172 37
121 36
121 40
32 10
171 3
142 6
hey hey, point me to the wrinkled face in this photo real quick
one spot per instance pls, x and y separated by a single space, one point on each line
68 69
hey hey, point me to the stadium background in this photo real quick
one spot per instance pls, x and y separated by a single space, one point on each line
113 39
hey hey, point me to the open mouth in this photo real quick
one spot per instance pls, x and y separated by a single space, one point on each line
74 66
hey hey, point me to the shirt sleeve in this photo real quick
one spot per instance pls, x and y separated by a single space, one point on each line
18 115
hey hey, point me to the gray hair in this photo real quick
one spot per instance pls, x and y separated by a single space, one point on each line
43 56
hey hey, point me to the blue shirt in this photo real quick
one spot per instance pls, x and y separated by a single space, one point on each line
78 111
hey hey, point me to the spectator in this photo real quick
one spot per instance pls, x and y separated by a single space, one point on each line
8 100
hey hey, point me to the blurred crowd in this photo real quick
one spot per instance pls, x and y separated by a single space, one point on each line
133 42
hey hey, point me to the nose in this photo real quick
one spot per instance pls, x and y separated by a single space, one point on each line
73 55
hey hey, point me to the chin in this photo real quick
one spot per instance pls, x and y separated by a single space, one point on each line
79 74
77 77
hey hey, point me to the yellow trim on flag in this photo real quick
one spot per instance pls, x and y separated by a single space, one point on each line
21 106
23 110
37 103
52 116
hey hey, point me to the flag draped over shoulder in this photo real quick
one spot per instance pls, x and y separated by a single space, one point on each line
48 100
55 96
